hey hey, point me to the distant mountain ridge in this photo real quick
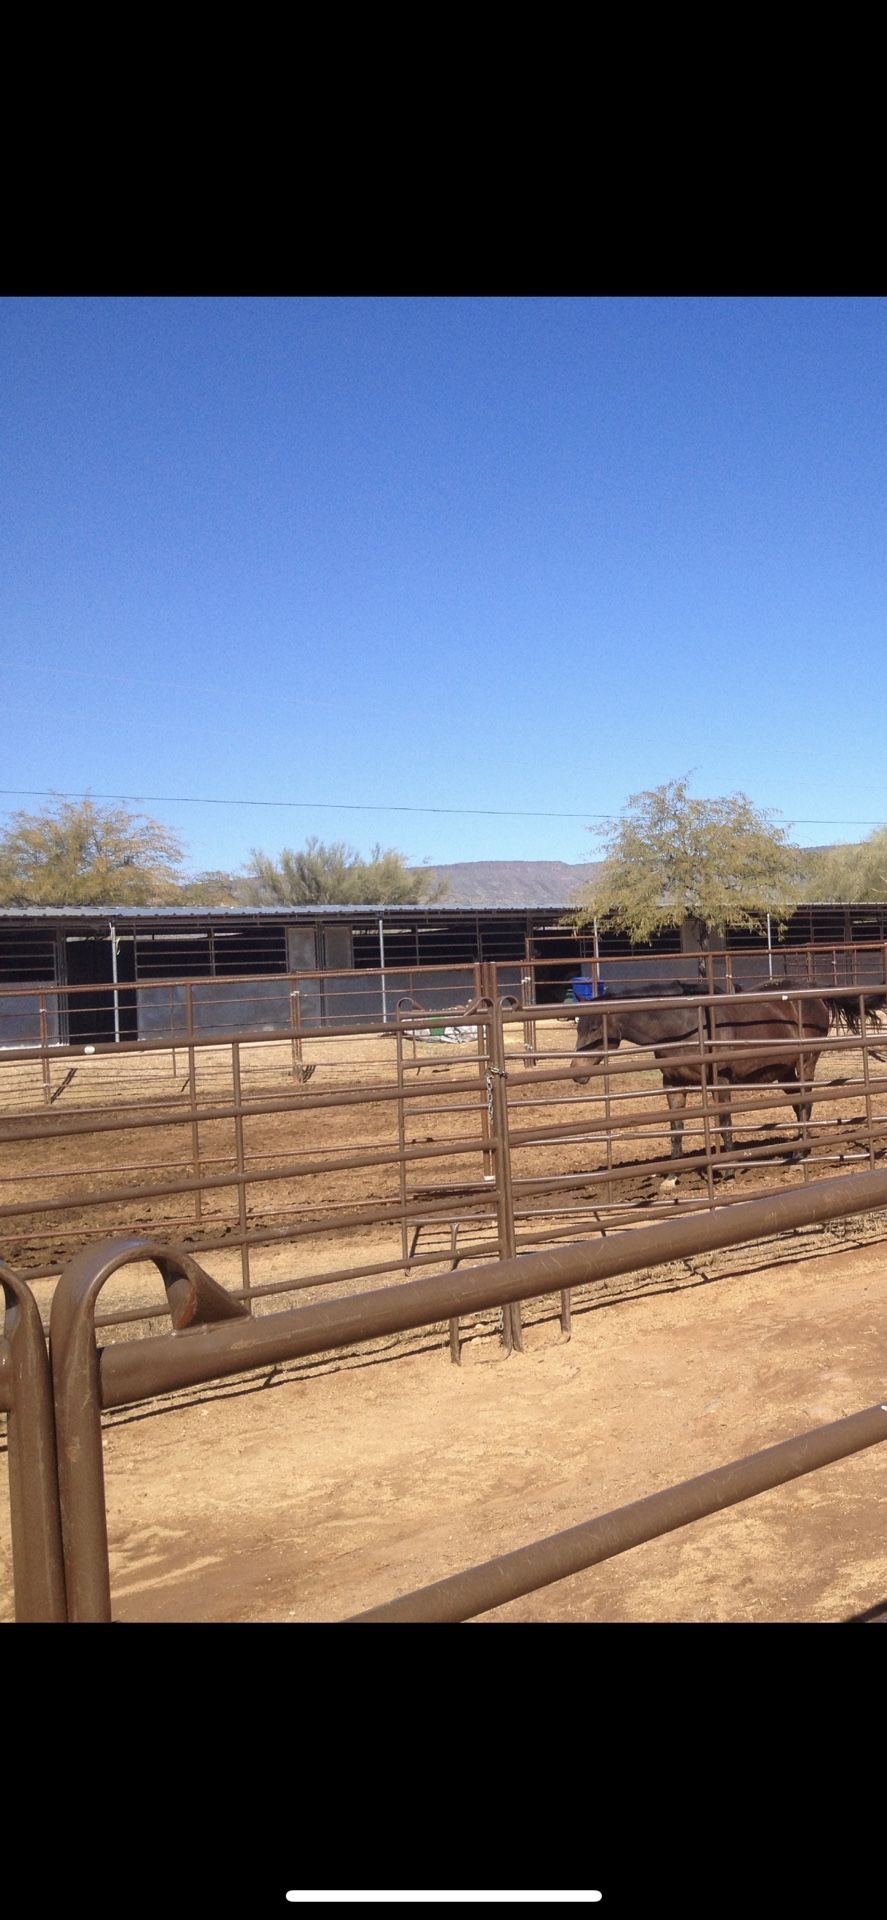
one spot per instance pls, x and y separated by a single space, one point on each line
513 883
529 883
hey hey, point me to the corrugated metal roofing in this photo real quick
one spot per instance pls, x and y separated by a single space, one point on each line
202 914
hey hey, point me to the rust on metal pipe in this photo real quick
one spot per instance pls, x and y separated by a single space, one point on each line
94 1121
26 1394
497 1109
478 1589
158 1364
450 1149
195 1300
86 1379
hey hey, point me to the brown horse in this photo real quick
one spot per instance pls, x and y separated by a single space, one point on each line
736 1020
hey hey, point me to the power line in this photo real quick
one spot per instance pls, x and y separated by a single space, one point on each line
348 806
329 806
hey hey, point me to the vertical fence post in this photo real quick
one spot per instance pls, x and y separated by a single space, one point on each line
483 1047
296 1030
608 1108
706 1109
241 1170
803 1129
497 1108
192 1102
401 1147
34 1511
866 1073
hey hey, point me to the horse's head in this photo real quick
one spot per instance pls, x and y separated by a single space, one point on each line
590 1041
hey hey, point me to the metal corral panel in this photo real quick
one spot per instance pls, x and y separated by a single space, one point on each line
20 1020
219 1006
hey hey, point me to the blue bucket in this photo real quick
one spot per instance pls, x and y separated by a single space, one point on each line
586 990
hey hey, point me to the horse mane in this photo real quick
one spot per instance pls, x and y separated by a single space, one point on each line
845 1014
702 986
662 989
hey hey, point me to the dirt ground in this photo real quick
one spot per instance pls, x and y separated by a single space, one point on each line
324 1487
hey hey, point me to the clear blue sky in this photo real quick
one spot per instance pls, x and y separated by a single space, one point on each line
527 554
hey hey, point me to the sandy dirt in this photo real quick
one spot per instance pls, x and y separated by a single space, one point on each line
318 1489
327 1486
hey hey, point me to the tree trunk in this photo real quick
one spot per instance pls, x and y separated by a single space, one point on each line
694 933
698 937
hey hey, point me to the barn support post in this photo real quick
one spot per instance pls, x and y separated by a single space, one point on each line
44 1053
116 996
528 998
382 965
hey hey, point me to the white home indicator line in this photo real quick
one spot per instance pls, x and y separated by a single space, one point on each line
295 1895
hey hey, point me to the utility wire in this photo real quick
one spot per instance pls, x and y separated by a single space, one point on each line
349 806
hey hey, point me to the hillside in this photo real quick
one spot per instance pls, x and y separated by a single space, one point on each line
513 883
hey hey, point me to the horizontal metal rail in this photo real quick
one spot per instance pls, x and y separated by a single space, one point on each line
242 1173
478 1589
88 1379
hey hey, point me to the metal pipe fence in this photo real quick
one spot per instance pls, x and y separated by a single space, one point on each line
59 1023
508 1577
26 1399
214 1338
406 1153
48 1022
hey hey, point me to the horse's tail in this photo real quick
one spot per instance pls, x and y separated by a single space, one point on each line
843 1013
847 1014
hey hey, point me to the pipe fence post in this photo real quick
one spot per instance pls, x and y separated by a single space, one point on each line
866 1074
192 1102
497 1108
401 1148
242 1216
34 1510
296 1032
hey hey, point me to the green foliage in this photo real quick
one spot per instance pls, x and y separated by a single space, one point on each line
76 853
855 872
337 875
699 865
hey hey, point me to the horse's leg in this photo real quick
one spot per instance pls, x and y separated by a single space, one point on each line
722 1099
803 1108
677 1100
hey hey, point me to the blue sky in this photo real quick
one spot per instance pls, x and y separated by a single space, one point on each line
518 556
